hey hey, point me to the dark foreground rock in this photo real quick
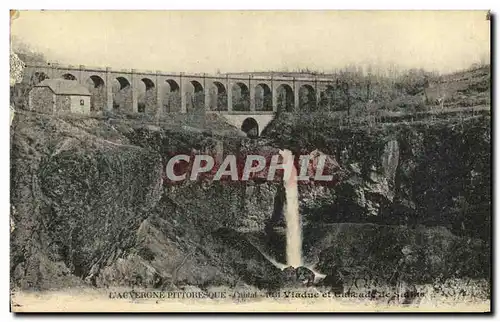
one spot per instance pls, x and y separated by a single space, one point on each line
418 255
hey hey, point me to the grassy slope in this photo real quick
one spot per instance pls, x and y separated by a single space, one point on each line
465 88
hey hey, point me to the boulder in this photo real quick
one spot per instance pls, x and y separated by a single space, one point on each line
304 275
298 276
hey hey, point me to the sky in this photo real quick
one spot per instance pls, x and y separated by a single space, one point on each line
238 41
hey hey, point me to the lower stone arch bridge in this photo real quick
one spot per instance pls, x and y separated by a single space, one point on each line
246 101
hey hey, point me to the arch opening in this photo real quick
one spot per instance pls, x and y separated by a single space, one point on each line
124 83
218 97
285 98
97 89
250 127
307 98
263 98
171 98
148 83
195 97
241 97
96 81
146 100
69 76
122 94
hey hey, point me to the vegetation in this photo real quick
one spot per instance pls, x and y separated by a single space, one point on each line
374 91
19 92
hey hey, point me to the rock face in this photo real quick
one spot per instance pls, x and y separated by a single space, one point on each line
418 254
426 188
90 205
258 206
405 174
369 186
334 282
77 198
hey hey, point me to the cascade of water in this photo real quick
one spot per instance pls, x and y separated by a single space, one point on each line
291 209
292 218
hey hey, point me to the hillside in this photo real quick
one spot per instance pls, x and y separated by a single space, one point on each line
411 91
465 88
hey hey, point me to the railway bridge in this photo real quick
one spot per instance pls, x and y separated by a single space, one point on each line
243 99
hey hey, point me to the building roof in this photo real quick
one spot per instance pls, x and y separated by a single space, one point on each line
64 87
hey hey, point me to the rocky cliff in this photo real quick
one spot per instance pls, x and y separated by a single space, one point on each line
89 203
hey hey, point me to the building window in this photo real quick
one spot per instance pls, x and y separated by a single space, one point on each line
82 102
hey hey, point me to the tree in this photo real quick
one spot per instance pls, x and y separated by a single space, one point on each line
413 82
347 93
25 52
19 92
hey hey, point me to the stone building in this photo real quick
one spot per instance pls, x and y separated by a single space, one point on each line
54 96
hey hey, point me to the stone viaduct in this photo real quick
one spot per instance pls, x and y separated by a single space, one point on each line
245 100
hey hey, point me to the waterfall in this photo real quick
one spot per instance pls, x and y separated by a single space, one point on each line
292 218
291 210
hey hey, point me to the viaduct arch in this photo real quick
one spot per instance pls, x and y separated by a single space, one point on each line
236 96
